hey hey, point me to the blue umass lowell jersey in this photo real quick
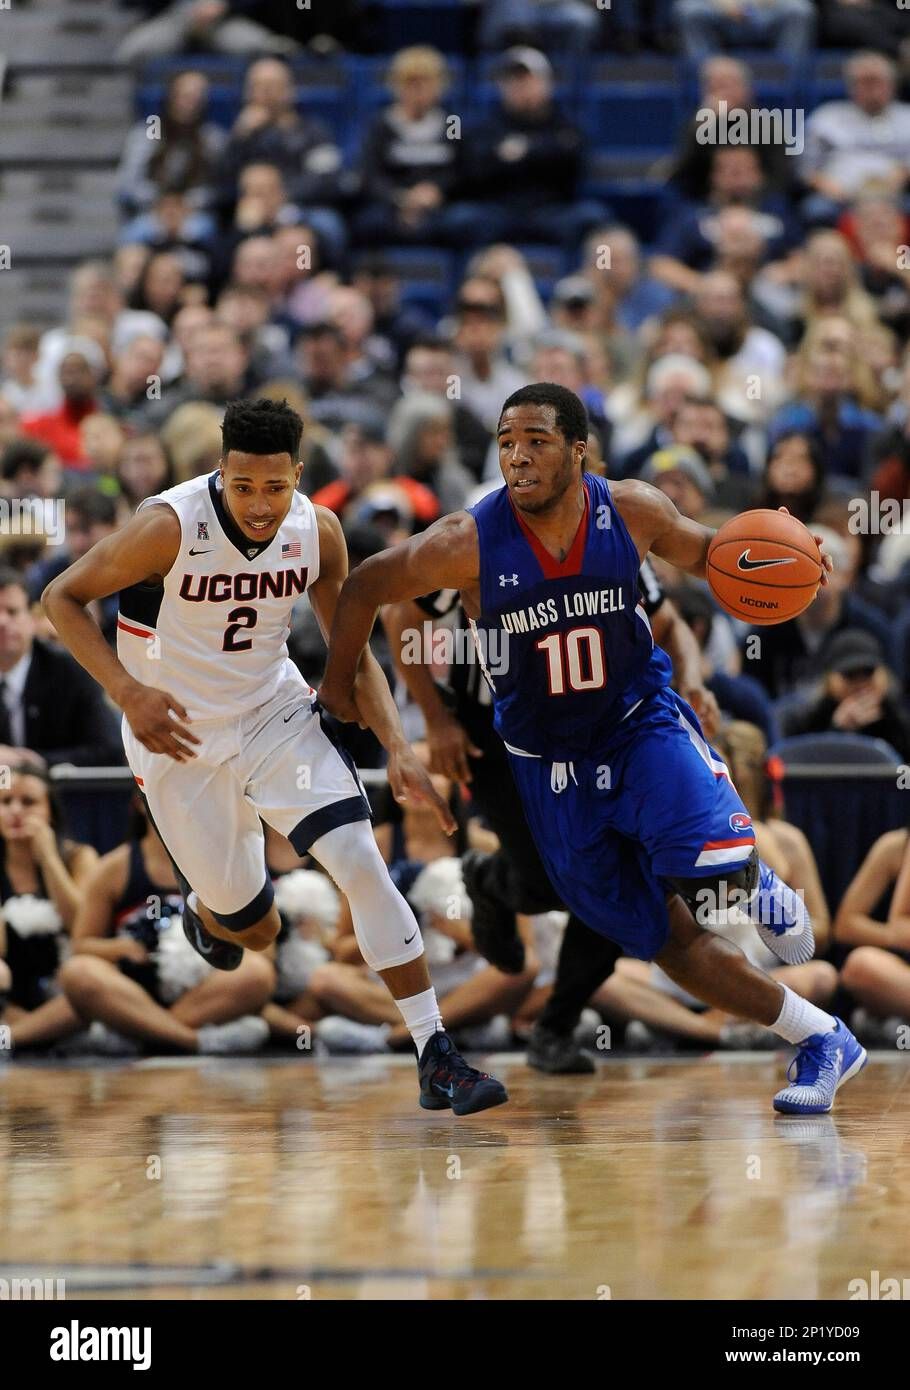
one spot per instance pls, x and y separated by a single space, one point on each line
566 647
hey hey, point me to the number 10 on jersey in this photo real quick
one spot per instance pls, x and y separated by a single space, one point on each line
575 660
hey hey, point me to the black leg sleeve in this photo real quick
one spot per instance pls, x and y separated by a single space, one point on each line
586 959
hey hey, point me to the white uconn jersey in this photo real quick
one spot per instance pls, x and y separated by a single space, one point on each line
215 636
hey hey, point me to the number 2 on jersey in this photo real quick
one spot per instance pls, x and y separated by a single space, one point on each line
239 620
575 660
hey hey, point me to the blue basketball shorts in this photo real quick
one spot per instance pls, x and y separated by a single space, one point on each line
655 803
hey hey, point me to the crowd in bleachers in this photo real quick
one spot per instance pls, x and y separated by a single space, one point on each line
393 242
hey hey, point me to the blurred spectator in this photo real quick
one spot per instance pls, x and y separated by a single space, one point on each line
335 398
648 424
366 458
130 968
705 26
859 694
681 475
134 381
785 656
43 876
89 516
526 160
207 26
849 143
794 475
825 407
9 422
421 437
875 226
144 468
612 262
102 444
192 436
19 384
172 225
724 79
81 369
890 461
739 696
689 243
562 357
29 468
216 372
375 277
751 361
181 159
429 366
160 288
485 377
48 703
370 357
269 130
701 424
573 25
410 159
873 919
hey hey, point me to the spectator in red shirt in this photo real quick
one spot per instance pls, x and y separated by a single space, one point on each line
81 369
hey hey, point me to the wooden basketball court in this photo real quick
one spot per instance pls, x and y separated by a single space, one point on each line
323 1179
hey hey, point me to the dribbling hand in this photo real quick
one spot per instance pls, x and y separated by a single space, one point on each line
411 782
148 713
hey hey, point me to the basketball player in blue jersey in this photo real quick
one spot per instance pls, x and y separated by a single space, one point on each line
222 732
638 824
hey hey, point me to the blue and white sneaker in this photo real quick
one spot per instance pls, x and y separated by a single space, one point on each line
781 919
823 1063
448 1083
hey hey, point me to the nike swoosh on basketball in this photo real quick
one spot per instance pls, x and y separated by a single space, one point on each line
744 563
202 552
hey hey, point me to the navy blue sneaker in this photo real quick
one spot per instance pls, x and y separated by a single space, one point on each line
223 955
823 1063
448 1083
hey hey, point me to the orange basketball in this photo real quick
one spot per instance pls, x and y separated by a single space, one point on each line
763 566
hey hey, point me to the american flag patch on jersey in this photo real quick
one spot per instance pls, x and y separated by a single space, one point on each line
290 550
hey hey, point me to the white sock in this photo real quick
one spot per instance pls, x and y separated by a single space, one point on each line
799 1019
422 1017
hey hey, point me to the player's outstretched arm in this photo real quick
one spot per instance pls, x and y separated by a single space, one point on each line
656 525
143 550
371 701
445 556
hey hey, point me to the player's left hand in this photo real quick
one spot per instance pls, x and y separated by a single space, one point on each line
827 562
339 702
705 706
411 782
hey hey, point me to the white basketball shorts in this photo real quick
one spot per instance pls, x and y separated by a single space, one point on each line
277 762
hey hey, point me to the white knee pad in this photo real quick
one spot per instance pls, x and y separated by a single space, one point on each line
386 928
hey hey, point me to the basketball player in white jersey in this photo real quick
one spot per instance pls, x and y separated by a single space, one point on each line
221 729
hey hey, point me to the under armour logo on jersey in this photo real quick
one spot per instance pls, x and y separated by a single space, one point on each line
505 579
202 530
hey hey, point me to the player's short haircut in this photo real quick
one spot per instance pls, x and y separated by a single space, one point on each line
261 427
571 415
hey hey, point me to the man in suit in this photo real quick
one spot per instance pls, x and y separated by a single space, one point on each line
48 703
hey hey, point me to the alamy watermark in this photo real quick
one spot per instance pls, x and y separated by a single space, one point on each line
759 125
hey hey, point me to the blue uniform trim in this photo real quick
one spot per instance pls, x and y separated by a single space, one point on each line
319 823
248 916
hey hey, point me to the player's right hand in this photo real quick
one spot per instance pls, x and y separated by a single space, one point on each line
148 713
450 749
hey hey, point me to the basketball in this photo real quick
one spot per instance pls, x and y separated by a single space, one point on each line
763 566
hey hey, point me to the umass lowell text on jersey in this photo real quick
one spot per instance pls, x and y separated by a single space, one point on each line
580 653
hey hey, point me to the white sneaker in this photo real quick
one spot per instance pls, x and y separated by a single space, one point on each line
247 1034
344 1035
781 918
